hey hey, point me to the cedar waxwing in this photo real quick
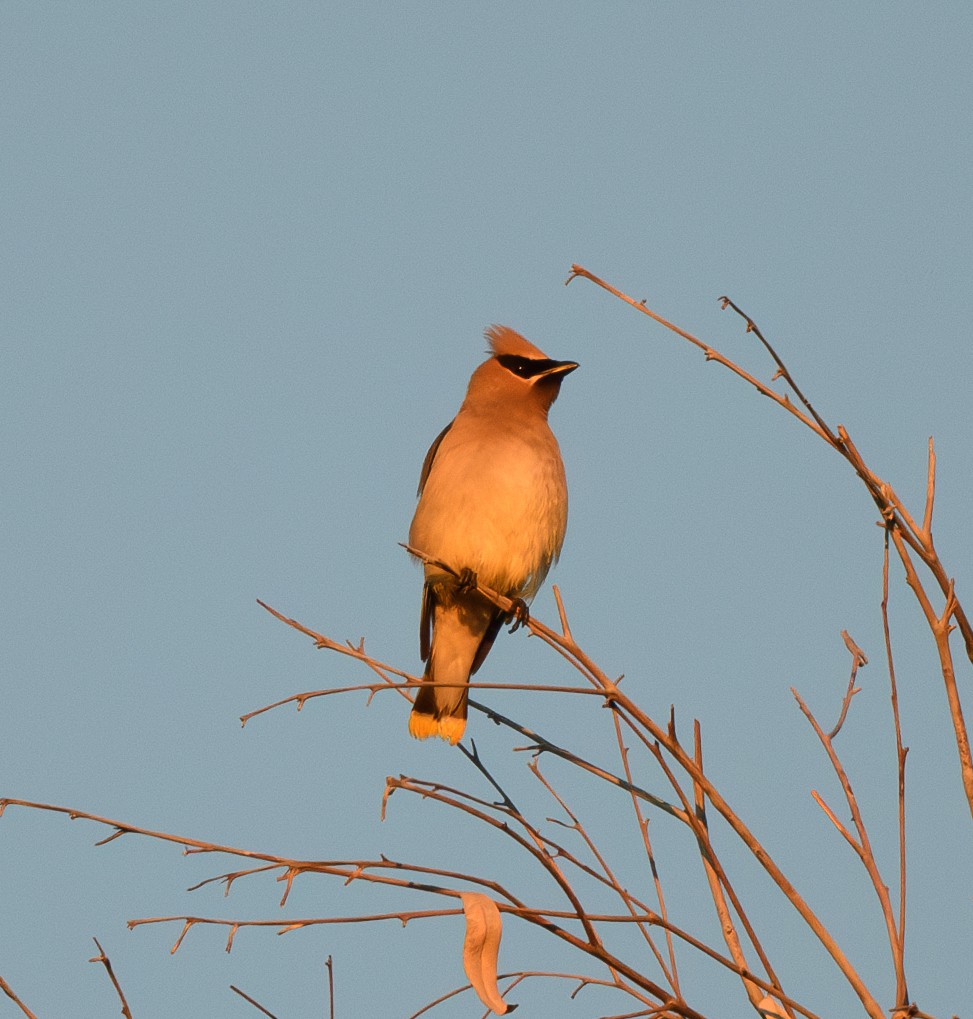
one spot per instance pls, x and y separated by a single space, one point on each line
493 505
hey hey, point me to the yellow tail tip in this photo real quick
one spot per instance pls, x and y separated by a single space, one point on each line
451 729
422 726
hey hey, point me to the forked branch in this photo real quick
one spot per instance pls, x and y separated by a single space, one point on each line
906 534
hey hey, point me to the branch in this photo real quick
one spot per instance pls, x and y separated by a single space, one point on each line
898 950
700 829
643 826
861 845
940 626
542 745
106 962
612 882
884 496
714 876
781 369
8 990
381 668
642 724
256 1004
565 646
711 354
858 659
516 978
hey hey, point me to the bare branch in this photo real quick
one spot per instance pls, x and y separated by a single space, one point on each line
930 494
256 1004
858 659
707 855
898 950
330 967
106 962
8 990
643 826
609 878
562 614
540 744
860 843
781 369
567 648
710 352
645 727
940 626
889 505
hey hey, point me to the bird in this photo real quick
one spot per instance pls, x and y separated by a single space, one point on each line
493 506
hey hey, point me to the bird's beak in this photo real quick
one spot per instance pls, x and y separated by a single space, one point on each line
559 368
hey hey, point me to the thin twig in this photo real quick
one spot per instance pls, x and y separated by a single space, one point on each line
610 879
532 845
327 644
562 614
647 729
300 699
930 494
106 962
256 1004
541 744
516 978
695 824
708 857
860 842
473 757
857 659
940 626
781 368
711 354
9 991
330 967
884 496
898 948
541 917
643 826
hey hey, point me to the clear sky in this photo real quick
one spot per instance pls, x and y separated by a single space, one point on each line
248 254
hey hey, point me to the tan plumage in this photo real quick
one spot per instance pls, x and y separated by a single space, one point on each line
492 499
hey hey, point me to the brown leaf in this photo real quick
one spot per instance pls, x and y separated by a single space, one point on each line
481 947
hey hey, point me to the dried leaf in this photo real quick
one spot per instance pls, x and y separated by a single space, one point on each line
481 947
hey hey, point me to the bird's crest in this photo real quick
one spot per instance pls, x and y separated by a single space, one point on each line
503 340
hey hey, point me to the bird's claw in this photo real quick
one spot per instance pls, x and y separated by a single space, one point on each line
466 581
519 614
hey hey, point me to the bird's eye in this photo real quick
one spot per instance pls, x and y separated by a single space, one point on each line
525 367
520 366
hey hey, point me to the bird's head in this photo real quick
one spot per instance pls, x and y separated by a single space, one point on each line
517 375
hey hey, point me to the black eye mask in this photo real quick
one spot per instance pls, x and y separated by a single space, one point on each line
527 367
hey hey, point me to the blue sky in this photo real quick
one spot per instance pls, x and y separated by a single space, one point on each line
249 253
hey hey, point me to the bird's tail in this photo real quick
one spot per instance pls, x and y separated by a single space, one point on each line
460 626
439 711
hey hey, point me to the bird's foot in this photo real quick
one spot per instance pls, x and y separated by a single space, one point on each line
466 580
519 614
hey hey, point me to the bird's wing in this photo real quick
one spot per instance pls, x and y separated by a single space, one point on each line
430 456
487 642
425 621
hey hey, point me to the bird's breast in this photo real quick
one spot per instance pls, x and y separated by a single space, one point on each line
496 505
